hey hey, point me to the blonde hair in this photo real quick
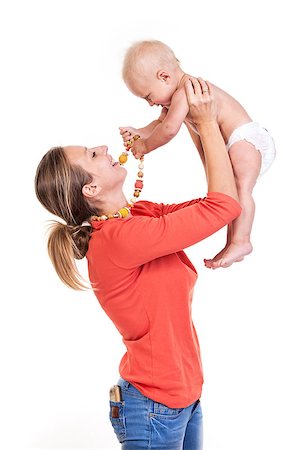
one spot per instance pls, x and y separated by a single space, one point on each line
158 55
58 186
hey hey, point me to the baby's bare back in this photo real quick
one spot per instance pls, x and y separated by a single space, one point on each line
231 114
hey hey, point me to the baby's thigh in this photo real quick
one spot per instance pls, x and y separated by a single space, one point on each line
246 161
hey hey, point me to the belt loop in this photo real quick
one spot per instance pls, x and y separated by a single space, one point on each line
125 384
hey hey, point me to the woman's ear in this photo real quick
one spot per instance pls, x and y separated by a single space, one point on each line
163 75
90 191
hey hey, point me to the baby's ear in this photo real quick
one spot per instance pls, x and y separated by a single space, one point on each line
163 75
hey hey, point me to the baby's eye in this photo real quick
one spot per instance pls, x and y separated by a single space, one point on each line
93 154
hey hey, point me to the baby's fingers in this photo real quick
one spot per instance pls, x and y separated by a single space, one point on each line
136 154
126 132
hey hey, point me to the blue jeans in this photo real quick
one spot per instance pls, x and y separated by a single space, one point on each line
141 423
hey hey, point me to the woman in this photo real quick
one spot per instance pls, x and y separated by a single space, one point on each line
141 276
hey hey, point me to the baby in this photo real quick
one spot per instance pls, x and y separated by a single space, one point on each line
152 71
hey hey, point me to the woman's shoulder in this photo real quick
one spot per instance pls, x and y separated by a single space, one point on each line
141 208
147 208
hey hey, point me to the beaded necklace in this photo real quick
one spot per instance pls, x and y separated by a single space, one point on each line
123 212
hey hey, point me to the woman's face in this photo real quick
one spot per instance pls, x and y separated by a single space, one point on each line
106 172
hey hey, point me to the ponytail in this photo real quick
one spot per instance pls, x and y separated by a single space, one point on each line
64 246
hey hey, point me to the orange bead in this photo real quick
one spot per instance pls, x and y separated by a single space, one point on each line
123 158
136 193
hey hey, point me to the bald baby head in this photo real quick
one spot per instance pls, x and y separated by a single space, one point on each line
146 58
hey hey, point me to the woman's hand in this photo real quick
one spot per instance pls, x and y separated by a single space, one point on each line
202 107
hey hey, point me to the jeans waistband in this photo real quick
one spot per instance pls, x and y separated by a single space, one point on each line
128 387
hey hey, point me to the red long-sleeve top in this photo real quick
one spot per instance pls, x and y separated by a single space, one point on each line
144 282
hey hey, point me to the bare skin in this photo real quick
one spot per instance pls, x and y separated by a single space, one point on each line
167 89
238 235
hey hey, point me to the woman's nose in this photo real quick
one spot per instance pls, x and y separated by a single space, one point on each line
102 149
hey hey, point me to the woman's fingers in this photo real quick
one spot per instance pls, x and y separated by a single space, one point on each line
202 107
205 86
193 89
196 88
189 90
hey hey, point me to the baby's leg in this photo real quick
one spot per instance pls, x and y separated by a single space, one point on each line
246 162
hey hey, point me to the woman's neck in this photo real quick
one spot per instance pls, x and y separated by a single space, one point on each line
114 204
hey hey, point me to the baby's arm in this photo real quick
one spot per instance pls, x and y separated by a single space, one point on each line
167 129
148 130
128 133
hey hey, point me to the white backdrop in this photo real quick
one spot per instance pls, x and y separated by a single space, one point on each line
61 84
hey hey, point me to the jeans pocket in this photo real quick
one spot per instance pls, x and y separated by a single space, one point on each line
117 418
162 410
167 427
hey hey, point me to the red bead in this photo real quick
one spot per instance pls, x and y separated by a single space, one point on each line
139 184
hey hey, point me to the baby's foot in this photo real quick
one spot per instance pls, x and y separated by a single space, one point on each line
210 262
233 253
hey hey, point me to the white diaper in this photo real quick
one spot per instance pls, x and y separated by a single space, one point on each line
258 136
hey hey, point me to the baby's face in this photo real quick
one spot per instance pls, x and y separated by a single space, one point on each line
154 89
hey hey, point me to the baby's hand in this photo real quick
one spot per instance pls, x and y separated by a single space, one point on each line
138 148
128 133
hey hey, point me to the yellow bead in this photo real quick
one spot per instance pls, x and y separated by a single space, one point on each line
123 158
124 212
136 193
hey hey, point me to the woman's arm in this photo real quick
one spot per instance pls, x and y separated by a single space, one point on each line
203 113
142 238
197 142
